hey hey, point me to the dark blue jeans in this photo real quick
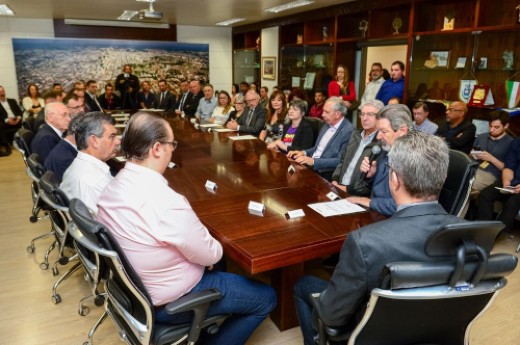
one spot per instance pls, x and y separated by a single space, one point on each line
303 288
248 300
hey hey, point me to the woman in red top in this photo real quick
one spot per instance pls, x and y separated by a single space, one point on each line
342 86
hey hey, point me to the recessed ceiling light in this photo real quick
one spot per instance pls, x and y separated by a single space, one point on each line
5 10
231 21
289 5
127 15
145 0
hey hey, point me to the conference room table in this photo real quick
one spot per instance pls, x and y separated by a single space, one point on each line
244 171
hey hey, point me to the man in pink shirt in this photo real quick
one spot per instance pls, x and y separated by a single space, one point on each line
164 240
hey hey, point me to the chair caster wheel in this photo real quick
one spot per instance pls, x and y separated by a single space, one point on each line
44 266
87 343
33 219
99 300
55 271
63 261
83 311
30 250
56 299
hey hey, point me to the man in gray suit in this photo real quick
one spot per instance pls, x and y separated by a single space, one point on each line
325 156
252 119
418 164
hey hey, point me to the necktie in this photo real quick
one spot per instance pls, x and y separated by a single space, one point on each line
181 105
249 117
161 100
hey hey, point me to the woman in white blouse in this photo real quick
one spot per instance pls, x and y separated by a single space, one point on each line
33 103
223 109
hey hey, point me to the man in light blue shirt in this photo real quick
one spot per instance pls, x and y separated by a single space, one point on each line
206 104
421 123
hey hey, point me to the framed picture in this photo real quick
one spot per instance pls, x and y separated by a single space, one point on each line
440 57
461 62
269 67
482 64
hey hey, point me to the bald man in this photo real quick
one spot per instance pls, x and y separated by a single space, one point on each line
459 132
57 118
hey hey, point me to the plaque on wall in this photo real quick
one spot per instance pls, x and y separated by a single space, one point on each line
481 96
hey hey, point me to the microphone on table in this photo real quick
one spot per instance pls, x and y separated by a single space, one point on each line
376 150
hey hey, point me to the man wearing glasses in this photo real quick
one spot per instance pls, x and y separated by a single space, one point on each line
347 175
459 132
393 121
252 119
376 80
165 242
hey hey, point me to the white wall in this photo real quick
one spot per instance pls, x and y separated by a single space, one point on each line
220 51
269 41
18 28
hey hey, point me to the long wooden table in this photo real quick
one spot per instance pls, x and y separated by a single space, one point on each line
244 171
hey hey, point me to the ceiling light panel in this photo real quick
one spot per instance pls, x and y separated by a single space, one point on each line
5 10
289 6
230 21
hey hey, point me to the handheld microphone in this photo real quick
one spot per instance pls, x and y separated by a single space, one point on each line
376 150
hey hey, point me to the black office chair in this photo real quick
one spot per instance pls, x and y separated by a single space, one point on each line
128 303
35 171
457 187
433 302
58 205
22 143
316 125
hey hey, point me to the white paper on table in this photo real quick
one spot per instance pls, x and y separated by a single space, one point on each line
224 130
120 125
209 125
243 137
336 208
155 110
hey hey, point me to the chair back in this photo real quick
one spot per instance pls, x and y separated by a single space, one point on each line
128 303
457 187
316 125
437 302
58 206
35 167
22 142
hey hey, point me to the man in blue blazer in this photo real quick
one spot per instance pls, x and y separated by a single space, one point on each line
325 156
418 164
63 154
57 120
393 121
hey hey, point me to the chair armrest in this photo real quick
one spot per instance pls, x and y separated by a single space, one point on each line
325 332
193 301
198 302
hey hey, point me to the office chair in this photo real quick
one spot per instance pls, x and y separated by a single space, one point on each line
35 171
58 205
128 303
316 125
22 143
433 302
457 187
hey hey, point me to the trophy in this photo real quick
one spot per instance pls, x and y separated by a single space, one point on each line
507 56
396 24
363 27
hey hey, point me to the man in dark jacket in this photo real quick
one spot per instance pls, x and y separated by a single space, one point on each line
418 164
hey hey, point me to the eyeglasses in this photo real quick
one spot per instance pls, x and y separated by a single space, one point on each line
173 143
239 103
367 114
250 100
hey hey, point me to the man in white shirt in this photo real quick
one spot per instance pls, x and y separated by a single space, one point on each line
10 121
88 175
372 88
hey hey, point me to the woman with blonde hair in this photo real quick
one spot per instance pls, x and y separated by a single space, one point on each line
342 86
223 109
33 103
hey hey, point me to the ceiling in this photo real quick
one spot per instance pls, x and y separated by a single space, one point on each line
180 12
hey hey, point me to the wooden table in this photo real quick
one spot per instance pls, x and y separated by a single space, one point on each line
244 171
